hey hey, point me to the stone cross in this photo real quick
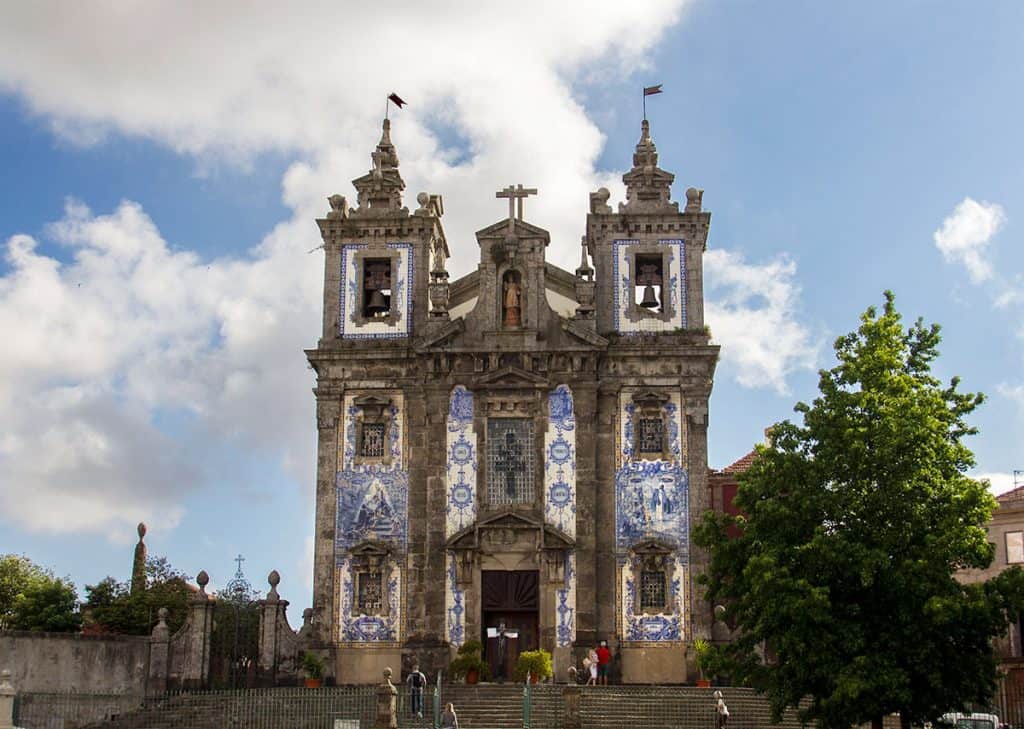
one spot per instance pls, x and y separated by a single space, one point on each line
515 194
239 559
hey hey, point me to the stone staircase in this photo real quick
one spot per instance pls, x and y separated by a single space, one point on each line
487 705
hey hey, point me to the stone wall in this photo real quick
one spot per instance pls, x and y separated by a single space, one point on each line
42 662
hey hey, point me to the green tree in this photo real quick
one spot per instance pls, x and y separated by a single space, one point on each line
32 598
855 523
111 608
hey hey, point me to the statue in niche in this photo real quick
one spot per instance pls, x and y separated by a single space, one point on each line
512 303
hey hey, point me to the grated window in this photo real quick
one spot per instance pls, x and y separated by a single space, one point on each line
369 595
650 435
652 589
509 461
373 440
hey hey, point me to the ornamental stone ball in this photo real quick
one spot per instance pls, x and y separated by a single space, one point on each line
274 578
202 579
141 530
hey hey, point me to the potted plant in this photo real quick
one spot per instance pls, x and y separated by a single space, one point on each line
469 664
313 666
535 664
702 648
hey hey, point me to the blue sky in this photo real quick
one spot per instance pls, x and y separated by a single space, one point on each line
156 288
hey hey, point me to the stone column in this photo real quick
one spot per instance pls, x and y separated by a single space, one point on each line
387 704
159 642
6 700
196 666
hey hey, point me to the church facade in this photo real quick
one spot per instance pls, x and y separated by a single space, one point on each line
524 446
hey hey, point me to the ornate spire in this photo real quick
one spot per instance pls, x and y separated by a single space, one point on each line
648 187
380 189
646 154
139 563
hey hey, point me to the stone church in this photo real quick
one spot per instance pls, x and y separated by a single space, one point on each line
523 446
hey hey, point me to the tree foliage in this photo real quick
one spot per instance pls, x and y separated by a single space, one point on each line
32 598
854 525
111 607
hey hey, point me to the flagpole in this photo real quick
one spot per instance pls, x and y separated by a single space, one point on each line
644 92
387 102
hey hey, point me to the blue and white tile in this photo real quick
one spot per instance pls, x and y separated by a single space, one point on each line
656 627
454 604
401 284
675 285
565 609
461 467
560 461
369 629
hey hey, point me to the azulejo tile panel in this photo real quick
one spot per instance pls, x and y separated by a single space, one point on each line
565 610
657 627
560 462
372 506
461 462
674 285
358 628
455 605
401 301
652 501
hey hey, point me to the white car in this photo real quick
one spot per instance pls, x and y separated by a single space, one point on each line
971 721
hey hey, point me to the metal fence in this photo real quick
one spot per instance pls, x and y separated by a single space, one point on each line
541 706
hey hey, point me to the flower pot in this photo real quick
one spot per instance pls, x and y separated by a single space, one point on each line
314 682
472 676
703 683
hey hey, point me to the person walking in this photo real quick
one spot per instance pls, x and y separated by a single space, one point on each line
721 711
591 663
417 681
448 718
604 663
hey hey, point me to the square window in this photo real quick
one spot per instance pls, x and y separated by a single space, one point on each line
509 461
369 593
372 445
652 589
1014 547
376 287
650 435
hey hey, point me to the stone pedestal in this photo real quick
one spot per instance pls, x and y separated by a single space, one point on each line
159 644
6 700
571 703
387 704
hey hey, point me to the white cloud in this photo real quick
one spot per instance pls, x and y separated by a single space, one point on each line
964 236
752 310
100 352
235 78
999 483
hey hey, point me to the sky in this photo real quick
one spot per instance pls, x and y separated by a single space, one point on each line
163 164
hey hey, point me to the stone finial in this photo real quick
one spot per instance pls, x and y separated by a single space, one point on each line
693 200
339 207
380 190
202 579
648 188
424 201
645 154
599 201
273 579
139 562
5 680
584 271
160 630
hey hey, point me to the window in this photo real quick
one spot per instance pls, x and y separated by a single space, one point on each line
647 284
1014 547
372 445
369 593
376 288
509 461
649 435
652 590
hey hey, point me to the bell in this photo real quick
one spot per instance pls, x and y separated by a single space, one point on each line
650 301
377 304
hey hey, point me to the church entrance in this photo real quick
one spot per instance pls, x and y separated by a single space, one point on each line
510 603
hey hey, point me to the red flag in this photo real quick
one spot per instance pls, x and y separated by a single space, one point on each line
397 99
648 90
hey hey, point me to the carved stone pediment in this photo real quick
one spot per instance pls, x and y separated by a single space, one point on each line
650 547
510 528
650 398
511 378
520 228
370 554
